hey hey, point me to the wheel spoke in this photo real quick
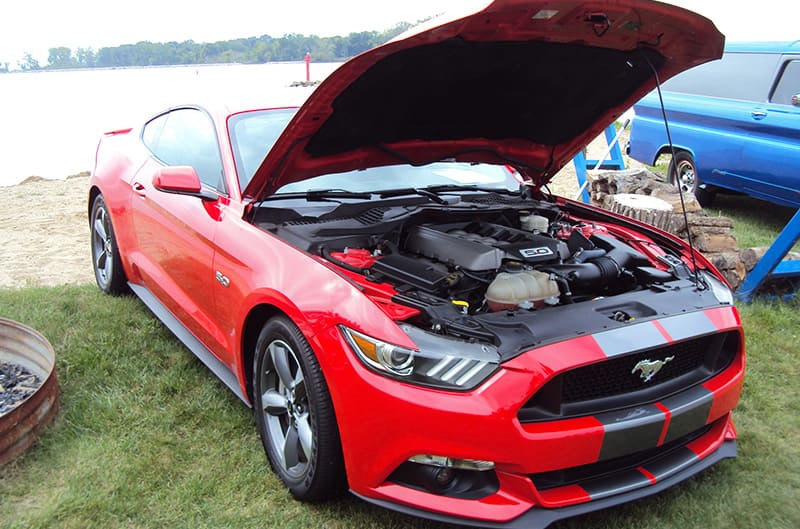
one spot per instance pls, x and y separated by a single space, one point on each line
280 359
274 403
101 260
305 435
100 229
299 387
290 457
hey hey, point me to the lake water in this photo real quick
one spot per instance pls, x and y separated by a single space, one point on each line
50 121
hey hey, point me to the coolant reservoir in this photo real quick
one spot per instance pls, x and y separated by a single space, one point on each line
534 223
509 291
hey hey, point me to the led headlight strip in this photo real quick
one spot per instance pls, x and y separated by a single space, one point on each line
440 361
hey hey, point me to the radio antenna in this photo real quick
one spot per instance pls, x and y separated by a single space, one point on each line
672 152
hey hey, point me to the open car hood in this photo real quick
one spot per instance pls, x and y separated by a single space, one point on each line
520 82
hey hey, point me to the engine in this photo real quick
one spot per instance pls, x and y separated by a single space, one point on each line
509 272
484 266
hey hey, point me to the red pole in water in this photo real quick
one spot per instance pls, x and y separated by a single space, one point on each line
308 67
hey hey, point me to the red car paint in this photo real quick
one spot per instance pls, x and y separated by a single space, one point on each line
222 275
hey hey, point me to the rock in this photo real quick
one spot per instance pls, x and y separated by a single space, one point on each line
716 242
750 256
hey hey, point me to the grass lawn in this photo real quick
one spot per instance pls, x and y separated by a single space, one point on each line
147 437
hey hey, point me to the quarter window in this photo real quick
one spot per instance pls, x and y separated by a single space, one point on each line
788 85
186 137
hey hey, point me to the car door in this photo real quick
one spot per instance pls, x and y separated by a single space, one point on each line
174 232
772 159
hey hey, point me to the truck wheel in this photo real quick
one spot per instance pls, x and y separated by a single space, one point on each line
683 173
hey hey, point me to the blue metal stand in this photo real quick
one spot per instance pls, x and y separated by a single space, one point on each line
771 265
614 162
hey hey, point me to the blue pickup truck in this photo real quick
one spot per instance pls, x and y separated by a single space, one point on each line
735 124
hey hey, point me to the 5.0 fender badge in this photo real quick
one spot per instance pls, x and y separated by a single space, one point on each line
650 368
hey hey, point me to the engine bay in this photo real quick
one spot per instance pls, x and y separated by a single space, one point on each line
492 268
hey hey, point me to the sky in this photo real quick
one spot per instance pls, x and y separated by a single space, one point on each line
34 26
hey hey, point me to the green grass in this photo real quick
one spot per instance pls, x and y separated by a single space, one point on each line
147 437
756 222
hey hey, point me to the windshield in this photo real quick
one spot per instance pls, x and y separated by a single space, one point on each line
407 176
252 136
254 133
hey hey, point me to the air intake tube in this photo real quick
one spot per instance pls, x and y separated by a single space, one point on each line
607 269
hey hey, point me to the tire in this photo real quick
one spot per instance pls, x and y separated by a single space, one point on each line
106 262
683 173
295 415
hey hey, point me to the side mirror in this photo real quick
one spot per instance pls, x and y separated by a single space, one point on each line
796 100
181 180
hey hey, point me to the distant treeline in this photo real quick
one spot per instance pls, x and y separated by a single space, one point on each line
292 47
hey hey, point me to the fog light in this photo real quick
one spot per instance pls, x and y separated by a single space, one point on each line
444 476
455 478
449 462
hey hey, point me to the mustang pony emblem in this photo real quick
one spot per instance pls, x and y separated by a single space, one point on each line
650 368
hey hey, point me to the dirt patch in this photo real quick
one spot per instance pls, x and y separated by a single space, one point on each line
45 233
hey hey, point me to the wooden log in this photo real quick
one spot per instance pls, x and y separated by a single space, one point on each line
644 208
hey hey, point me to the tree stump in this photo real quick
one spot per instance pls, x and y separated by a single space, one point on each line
644 208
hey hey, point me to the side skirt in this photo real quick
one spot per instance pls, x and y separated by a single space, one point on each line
187 338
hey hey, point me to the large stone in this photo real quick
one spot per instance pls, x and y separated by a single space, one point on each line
708 221
715 242
751 256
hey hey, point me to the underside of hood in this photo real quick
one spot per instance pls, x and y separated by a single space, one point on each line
525 83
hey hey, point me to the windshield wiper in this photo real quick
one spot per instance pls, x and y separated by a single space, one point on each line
470 187
423 192
321 195
432 192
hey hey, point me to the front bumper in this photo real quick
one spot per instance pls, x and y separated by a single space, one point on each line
541 517
606 458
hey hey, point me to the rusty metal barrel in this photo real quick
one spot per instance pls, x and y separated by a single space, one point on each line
23 424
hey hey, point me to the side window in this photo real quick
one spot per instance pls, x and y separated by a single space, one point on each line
788 85
186 137
744 76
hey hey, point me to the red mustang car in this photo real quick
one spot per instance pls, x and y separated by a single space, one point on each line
384 277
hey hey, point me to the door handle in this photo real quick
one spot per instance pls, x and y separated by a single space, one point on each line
758 114
139 189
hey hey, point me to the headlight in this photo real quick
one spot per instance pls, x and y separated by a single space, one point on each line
440 362
718 288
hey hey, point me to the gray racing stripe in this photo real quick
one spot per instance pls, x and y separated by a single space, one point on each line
616 484
629 339
671 464
689 411
630 431
688 325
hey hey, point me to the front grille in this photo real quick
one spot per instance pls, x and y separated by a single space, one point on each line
613 377
610 384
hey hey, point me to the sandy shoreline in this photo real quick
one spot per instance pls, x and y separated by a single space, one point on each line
45 231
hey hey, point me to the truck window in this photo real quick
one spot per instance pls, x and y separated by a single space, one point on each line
788 85
746 76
